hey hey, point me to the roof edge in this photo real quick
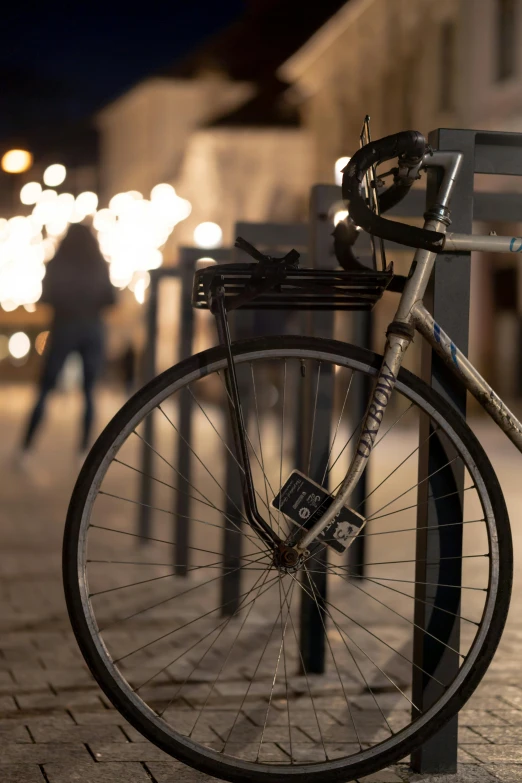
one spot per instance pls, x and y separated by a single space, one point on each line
294 68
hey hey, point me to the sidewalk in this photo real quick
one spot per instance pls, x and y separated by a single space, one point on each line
55 724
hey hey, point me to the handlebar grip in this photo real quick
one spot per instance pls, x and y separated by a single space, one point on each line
406 144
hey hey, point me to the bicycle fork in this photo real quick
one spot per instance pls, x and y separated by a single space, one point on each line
399 336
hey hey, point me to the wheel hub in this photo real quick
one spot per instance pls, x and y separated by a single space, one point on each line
287 559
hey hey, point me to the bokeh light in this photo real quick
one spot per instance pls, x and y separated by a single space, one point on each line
341 214
19 345
54 175
16 161
22 262
40 342
340 163
132 231
4 349
131 234
86 203
208 235
30 192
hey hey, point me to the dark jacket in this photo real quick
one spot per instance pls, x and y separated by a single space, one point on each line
76 283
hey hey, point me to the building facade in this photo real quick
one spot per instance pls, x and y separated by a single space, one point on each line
423 65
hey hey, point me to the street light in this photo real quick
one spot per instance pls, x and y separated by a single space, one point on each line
341 214
208 235
30 192
19 345
340 163
17 161
54 175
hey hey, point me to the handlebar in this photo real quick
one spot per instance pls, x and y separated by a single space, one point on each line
410 147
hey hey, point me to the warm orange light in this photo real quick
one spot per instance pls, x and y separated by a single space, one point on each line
17 161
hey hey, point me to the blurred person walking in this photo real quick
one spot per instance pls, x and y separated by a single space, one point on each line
77 287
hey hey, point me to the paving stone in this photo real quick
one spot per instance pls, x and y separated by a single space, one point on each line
50 701
42 753
101 715
13 733
128 772
510 773
175 772
384 776
249 733
297 717
496 753
469 736
7 704
501 735
467 773
509 716
21 773
127 751
78 734
7 682
485 718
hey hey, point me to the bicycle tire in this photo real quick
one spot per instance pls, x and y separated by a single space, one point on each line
208 760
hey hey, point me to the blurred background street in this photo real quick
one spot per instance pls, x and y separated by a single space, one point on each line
160 129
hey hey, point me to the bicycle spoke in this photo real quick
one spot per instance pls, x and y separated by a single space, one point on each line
254 452
179 628
134 584
254 675
406 619
342 630
421 503
230 500
422 601
337 428
166 600
431 528
281 649
414 486
226 516
175 514
279 515
261 446
241 468
222 626
313 418
366 683
227 658
383 642
395 470
320 611
305 674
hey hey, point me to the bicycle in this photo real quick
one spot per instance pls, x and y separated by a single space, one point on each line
199 689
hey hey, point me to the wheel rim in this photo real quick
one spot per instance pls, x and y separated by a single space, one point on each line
365 590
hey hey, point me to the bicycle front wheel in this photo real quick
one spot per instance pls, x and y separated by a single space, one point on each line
227 661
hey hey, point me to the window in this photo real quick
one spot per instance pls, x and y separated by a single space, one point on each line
506 34
447 69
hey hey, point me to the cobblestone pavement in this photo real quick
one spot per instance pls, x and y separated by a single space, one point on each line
55 724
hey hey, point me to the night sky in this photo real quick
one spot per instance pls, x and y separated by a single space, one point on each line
60 64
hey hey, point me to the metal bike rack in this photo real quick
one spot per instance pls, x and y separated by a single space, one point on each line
184 271
448 300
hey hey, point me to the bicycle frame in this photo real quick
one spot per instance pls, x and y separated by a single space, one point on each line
412 316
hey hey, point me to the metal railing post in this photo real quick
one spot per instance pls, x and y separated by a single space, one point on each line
441 497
